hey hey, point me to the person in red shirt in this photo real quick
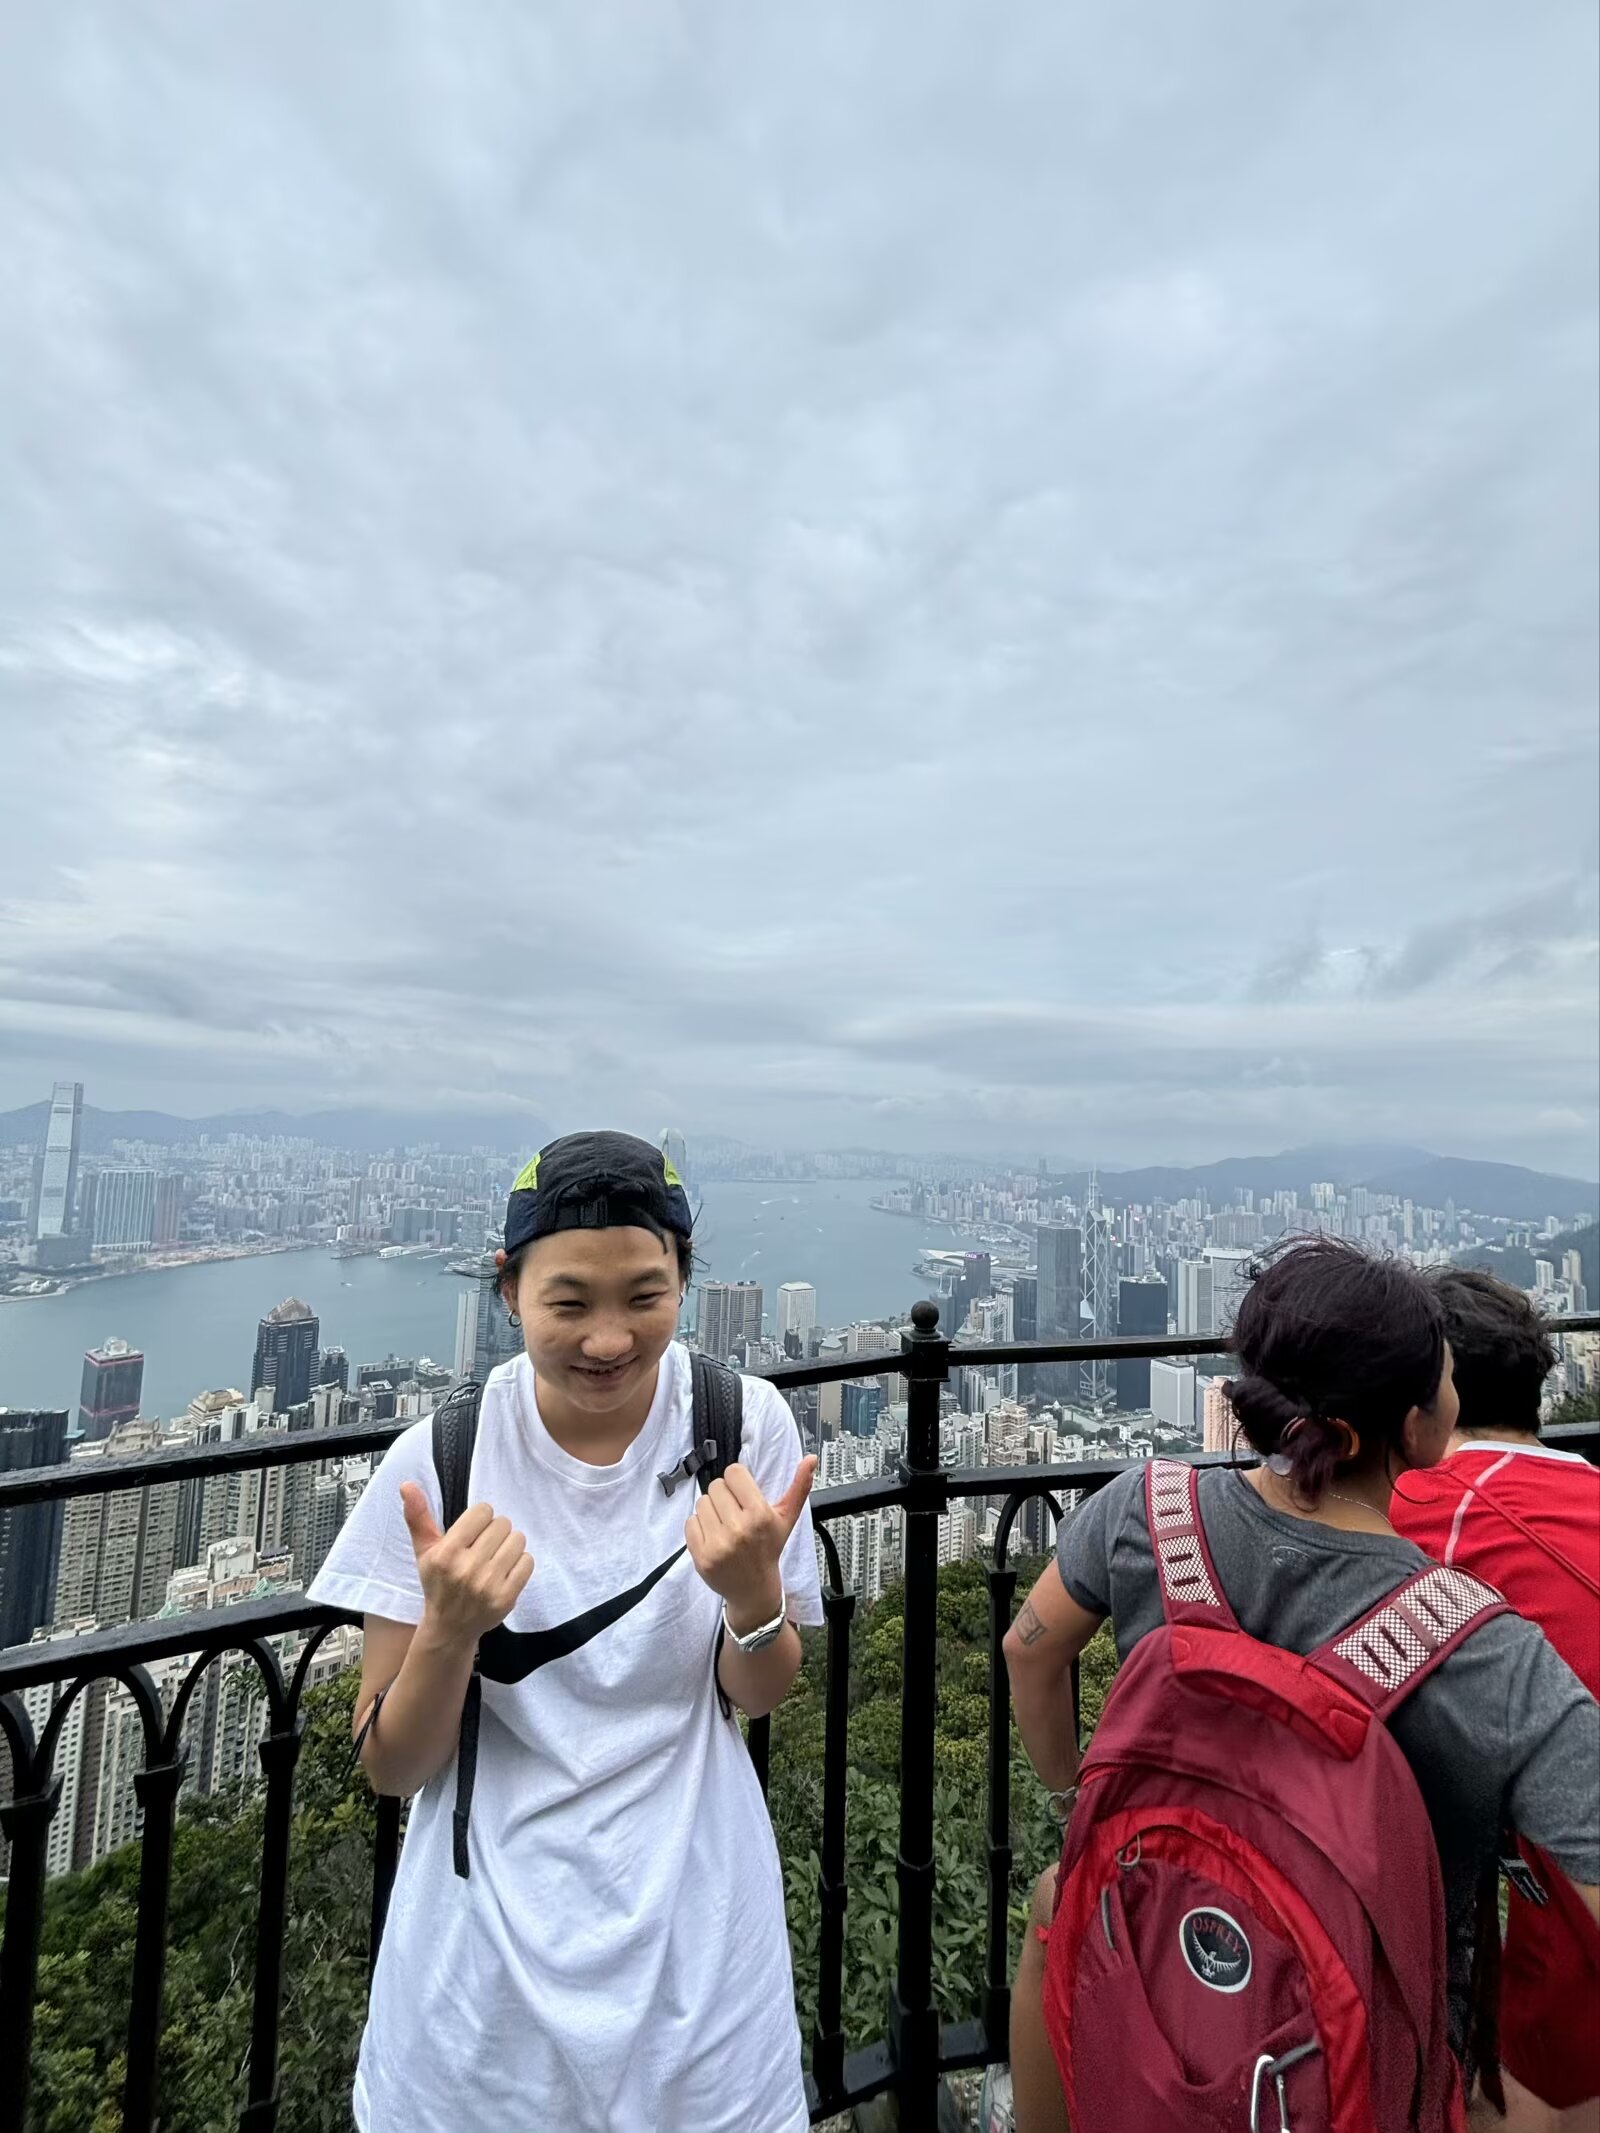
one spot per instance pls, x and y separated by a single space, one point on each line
1525 1518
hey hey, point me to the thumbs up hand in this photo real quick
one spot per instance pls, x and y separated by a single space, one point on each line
736 1539
471 1576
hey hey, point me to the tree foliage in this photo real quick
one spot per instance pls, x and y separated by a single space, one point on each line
85 1971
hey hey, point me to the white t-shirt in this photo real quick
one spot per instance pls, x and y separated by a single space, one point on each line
617 1960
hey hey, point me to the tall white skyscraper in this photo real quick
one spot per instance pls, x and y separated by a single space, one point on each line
797 1308
1195 1305
1172 1395
58 1182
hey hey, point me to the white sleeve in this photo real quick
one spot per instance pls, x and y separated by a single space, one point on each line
772 1451
371 1567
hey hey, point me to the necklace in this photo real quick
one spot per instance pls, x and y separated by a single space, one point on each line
1358 1502
1361 1505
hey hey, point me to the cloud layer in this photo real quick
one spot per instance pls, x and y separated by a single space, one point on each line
851 574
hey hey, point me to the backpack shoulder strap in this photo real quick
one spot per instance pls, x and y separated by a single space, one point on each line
1397 1644
1191 1591
455 1431
717 1405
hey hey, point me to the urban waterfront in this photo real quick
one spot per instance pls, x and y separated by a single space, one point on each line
197 1325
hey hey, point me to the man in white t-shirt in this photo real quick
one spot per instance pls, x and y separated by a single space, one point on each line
616 1960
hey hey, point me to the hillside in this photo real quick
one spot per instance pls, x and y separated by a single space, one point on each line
1506 1189
1515 1264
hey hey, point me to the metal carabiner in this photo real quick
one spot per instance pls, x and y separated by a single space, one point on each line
1275 2070
1263 2066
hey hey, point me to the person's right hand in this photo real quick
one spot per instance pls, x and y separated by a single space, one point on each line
472 1575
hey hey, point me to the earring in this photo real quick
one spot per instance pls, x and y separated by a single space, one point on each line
514 1318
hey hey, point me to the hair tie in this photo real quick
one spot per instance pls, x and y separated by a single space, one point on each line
1279 1461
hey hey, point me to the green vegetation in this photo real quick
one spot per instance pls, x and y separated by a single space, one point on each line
1514 1263
86 1966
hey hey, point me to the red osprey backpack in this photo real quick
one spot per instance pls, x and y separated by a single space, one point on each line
1249 1925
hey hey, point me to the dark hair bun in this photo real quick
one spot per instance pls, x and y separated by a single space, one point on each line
1264 1410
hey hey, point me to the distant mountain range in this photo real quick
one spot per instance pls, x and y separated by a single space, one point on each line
1505 1189
1410 1173
362 1132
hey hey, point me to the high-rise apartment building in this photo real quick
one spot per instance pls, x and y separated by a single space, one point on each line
1196 1312
58 1180
797 1308
730 1315
118 1550
113 1381
1219 1422
30 1537
1141 1309
124 1209
1025 1307
169 1208
286 1354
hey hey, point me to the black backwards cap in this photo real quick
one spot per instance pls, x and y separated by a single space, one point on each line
596 1181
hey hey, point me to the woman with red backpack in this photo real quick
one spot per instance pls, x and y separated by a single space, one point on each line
1275 1908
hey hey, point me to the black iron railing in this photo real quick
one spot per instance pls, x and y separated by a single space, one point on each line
916 2049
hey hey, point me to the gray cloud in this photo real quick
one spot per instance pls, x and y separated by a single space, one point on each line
842 575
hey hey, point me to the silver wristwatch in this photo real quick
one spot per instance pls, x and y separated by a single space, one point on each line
758 1639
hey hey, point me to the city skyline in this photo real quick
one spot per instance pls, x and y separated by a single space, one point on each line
986 592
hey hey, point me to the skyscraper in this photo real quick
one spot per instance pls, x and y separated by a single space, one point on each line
286 1354
730 1315
1025 1307
797 1308
1141 1309
485 1336
1195 1311
1230 1277
860 1406
1172 1396
58 1182
30 1538
676 1151
113 1380
1219 1419
1060 1303
118 1550
124 1209
169 1208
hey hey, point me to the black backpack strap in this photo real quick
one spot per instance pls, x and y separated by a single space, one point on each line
719 1430
455 1431
718 1410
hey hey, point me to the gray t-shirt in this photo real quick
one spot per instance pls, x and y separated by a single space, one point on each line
1503 1733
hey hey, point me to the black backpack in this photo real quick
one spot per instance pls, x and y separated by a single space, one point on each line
511 1655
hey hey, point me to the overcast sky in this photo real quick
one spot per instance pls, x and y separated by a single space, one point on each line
880 571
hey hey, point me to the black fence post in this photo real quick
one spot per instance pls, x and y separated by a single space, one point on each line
157 1793
25 1822
913 2020
997 1989
280 1752
833 1895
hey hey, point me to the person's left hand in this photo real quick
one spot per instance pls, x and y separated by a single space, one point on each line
736 1539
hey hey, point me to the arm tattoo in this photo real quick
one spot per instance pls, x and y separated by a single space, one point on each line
1029 1628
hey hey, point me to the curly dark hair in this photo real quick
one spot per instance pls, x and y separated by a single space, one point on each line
1328 1333
1502 1348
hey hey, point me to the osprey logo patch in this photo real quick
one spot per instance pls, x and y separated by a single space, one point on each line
1217 1949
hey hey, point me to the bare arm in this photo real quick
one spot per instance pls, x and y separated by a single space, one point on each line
736 1541
426 1678
471 1577
1048 1634
759 1681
